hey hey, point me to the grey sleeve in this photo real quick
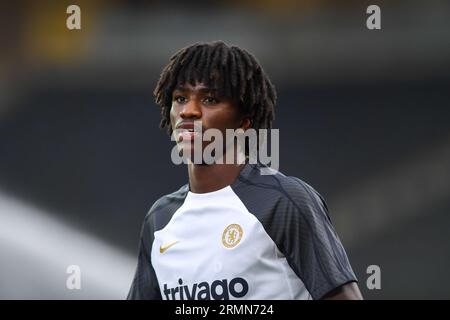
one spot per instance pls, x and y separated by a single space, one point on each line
296 217
311 244
145 284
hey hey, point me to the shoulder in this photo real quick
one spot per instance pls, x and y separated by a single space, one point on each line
163 209
276 190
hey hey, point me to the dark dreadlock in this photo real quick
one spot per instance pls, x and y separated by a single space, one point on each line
229 71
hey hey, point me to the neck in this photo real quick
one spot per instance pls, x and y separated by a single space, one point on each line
209 178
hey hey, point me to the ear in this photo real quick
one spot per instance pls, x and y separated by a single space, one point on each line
246 123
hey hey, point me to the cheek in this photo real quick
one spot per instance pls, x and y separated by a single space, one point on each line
231 119
233 115
222 118
173 115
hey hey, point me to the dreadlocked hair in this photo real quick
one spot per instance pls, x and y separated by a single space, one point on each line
229 71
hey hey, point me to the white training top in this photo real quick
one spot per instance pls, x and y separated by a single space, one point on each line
263 237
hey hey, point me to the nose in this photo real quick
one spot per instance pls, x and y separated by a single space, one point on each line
191 110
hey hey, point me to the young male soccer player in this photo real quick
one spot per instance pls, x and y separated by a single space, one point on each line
232 232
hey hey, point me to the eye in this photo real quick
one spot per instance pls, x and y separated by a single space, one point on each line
179 99
210 100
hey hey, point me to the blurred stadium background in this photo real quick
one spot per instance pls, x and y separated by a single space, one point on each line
363 117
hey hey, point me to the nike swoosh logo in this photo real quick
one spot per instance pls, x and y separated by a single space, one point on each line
164 248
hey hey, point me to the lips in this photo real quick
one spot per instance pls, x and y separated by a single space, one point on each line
187 135
188 125
185 131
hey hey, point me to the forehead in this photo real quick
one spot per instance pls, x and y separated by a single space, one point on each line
198 87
